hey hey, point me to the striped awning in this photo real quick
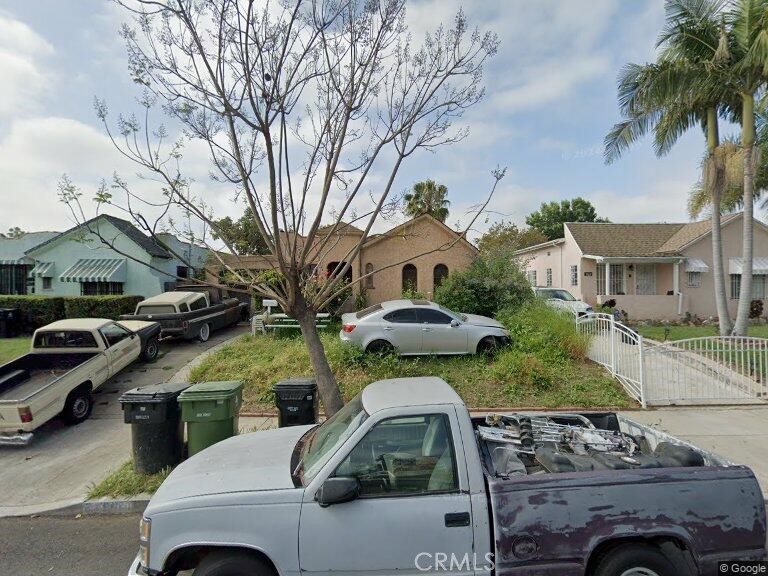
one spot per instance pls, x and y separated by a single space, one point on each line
15 261
759 265
43 269
95 270
696 265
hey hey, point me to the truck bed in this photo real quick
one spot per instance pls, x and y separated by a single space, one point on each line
660 487
40 370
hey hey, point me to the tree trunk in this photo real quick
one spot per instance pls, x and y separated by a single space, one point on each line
717 180
330 394
748 145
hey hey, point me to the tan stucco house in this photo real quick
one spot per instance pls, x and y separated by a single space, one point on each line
417 254
653 271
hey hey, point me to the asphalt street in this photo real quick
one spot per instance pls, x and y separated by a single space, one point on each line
68 546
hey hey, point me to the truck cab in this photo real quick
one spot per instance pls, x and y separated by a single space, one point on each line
399 482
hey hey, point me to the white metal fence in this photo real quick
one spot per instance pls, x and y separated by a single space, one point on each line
618 348
695 371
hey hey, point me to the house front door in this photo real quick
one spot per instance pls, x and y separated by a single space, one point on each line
645 279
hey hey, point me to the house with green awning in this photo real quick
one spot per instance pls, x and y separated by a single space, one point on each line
108 256
14 262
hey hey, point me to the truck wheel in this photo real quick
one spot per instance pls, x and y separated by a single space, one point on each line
151 350
635 560
78 406
232 564
205 333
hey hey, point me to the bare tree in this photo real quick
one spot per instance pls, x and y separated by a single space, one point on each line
300 104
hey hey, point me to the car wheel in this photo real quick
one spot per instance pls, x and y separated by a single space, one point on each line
232 564
204 333
487 346
635 560
78 406
151 350
380 347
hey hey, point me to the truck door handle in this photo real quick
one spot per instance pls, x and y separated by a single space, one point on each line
457 519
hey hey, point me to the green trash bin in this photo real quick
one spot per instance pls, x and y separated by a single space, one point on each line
210 410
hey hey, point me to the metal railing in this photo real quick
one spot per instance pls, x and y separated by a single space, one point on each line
618 348
716 369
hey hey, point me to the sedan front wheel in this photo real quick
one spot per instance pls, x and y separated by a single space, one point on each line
487 346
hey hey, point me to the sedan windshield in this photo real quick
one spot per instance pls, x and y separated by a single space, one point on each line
453 314
329 436
557 295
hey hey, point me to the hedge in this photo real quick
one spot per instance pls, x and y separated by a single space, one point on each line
38 311
100 306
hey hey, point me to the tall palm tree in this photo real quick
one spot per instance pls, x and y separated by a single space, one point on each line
680 90
427 198
749 72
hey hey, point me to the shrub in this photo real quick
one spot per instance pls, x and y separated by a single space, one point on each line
756 309
489 285
110 307
35 311
410 293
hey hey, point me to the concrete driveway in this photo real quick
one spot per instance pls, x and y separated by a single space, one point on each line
737 433
63 462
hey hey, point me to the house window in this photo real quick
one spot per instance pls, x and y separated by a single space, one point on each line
531 275
369 275
410 278
182 272
13 279
439 274
47 283
694 280
101 288
574 275
549 276
617 279
759 285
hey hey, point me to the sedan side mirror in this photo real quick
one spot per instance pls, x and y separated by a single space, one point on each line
455 323
338 490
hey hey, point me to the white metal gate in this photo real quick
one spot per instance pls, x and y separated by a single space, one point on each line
618 348
717 369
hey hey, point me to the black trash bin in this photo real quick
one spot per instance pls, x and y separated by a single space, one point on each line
157 432
9 322
297 402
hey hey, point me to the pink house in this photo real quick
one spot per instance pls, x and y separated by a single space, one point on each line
653 271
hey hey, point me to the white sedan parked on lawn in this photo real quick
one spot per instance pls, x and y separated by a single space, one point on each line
563 300
421 327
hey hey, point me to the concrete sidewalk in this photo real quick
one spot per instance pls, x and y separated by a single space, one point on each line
737 433
63 462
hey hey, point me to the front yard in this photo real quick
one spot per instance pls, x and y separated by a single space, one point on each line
685 332
544 368
11 348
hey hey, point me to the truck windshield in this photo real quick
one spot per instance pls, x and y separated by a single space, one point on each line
329 436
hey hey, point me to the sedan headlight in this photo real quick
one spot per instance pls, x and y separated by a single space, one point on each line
145 527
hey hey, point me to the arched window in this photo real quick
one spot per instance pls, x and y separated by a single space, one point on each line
439 274
410 278
369 275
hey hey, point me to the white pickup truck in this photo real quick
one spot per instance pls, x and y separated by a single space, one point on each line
69 359
402 481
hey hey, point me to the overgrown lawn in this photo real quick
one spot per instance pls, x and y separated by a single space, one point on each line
125 482
685 332
545 367
11 348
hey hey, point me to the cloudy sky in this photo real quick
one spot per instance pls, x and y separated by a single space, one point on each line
551 98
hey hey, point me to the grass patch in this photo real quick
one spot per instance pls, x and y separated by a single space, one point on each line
12 348
125 482
545 367
685 332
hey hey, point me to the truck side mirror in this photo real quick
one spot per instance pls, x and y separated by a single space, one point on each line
338 490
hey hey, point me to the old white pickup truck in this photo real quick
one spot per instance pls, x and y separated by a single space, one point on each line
69 359
402 481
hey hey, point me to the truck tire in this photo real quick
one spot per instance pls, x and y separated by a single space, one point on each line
635 560
232 564
204 333
151 350
78 406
